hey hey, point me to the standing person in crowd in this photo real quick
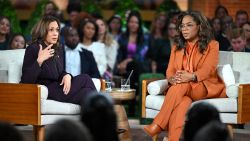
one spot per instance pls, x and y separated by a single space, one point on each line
241 17
159 46
238 41
88 33
17 41
67 130
115 26
246 29
191 74
224 43
220 12
98 114
4 32
77 59
133 46
111 46
43 64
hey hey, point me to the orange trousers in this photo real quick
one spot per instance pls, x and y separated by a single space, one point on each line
177 101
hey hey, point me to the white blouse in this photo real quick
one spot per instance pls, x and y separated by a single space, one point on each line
98 50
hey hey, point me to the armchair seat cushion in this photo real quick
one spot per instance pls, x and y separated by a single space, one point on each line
52 107
222 104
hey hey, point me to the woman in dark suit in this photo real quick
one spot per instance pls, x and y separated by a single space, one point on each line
43 64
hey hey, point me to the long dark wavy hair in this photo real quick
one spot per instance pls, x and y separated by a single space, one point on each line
205 32
140 38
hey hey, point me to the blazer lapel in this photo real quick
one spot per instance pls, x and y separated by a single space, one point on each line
179 59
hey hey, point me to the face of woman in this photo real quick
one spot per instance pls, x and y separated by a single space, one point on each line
102 26
172 30
133 24
4 26
89 31
53 33
18 42
189 28
216 25
160 22
115 24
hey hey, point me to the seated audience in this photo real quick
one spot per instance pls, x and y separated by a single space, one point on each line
246 29
213 131
220 12
115 26
224 43
17 41
241 17
98 114
159 45
67 130
88 33
111 47
4 32
197 117
9 133
77 59
238 41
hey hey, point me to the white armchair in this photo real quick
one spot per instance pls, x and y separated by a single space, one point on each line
28 103
235 109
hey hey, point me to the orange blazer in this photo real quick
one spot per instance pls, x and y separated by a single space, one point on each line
205 68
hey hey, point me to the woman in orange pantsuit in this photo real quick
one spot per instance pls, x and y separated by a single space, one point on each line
191 73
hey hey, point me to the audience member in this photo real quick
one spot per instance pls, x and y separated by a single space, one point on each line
224 43
77 59
43 64
197 117
159 45
73 9
246 29
4 32
98 114
88 32
213 131
133 46
171 33
111 47
241 17
17 41
67 130
238 41
50 8
115 26
9 133
220 12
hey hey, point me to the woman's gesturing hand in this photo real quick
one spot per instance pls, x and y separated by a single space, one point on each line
45 54
66 82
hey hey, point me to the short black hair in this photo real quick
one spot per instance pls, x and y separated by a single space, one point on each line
213 131
198 116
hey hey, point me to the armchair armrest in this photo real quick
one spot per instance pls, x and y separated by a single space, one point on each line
20 103
144 94
243 103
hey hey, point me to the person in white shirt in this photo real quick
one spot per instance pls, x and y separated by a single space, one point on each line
88 33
